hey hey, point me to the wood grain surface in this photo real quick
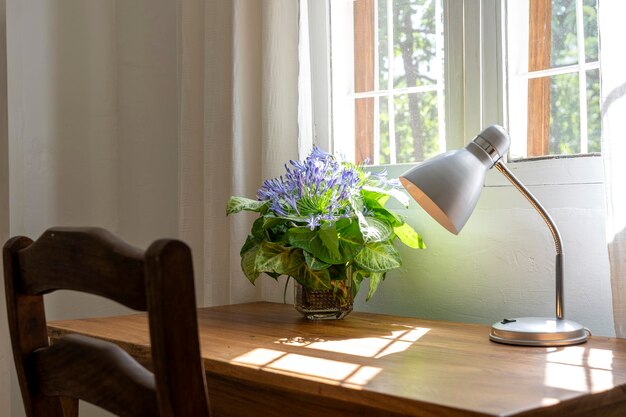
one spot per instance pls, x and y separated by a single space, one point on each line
275 363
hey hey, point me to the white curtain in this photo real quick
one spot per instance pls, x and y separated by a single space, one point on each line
238 118
613 103
5 346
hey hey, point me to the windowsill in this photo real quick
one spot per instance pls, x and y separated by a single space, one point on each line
535 172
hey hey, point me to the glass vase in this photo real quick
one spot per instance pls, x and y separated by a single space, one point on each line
320 304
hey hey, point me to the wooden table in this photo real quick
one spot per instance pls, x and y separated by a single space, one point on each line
263 359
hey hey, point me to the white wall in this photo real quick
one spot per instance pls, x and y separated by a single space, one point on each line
92 93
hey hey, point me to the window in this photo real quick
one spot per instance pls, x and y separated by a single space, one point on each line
413 78
554 82
398 80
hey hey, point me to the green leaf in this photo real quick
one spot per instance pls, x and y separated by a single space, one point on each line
250 241
248 253
237 204
271 221
258 231
374 196
271 229
338 272
375 279
295 219
314 263
273 257
310 241
357 277
382 213
350 239
378 257
328 235
393 192
373 229
310 278
409 237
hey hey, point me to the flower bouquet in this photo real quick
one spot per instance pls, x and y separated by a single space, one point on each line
325 224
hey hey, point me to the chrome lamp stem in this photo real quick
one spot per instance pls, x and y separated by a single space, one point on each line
553 230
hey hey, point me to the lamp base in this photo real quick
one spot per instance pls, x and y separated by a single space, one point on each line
538 331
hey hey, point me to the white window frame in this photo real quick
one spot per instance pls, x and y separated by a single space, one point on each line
476 75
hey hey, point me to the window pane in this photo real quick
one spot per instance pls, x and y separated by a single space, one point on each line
416 126
383 131
564 115
415 43
590 19
564 49
593 110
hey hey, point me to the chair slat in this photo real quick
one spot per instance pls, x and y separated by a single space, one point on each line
90 260
98 372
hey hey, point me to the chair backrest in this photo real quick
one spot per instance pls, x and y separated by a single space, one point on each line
160 281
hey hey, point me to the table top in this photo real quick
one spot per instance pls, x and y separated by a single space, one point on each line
408 365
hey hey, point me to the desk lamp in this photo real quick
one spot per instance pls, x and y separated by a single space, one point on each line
448 186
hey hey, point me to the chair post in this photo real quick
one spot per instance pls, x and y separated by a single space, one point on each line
27 326
172 310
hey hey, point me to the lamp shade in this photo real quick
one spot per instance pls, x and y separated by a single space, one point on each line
448 185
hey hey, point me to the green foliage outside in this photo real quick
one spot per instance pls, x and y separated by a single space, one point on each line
565 121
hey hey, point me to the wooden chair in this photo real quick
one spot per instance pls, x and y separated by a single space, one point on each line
160 281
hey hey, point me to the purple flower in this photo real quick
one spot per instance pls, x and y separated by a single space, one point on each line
319 188
313 222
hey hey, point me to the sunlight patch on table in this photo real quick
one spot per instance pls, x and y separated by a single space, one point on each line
369 347
337 372
577 378
362 376
583 356
307 365
259 357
